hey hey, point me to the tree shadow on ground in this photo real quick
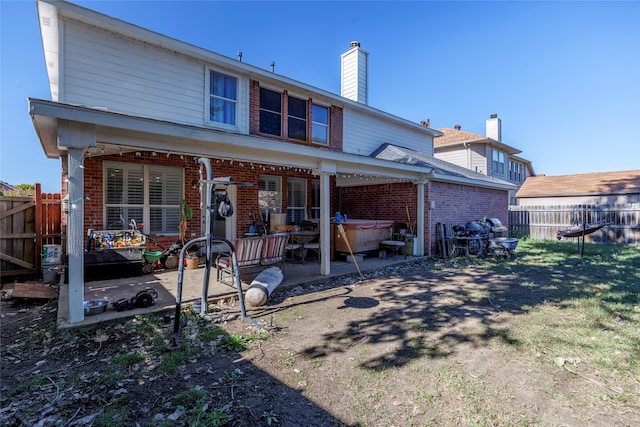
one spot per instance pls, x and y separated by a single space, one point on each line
429 312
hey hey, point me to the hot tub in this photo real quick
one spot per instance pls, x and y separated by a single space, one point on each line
364 235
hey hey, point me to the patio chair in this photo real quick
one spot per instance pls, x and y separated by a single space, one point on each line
291 247
313 246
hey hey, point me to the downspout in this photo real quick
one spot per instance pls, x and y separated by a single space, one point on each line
468 147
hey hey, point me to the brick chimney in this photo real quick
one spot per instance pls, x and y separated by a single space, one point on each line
494 128
354 74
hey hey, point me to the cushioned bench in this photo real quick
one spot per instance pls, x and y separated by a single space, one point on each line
253 253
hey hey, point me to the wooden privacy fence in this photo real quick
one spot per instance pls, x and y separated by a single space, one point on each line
27 223
543 222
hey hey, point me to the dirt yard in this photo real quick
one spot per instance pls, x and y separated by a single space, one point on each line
428 344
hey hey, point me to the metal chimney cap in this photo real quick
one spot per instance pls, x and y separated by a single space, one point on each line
494 116
354 44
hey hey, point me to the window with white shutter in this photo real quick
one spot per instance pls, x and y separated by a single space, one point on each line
148 194
315 199
270 194
296 200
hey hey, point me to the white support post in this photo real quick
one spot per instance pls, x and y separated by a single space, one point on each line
420 220
76 137
325 226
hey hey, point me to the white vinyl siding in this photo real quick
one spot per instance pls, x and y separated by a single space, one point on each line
354 76
148 194
480 160
105 71
363 134
457 157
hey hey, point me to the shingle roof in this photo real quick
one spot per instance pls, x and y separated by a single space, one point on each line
452 136
620 182
441 169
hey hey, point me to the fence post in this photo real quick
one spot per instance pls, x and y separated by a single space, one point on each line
38 243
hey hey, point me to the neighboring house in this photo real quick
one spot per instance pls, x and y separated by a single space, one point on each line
6 188
132 111
601 188
487 155
548 204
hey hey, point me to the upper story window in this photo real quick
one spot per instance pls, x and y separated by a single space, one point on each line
149 194
498 162
516 171
223 98
297 123
320 124
270 112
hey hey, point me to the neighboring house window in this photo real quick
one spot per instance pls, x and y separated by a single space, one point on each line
148 194
297 123
269 194
296 199
516 171
315 199
270 112
498 162
320 125
223 98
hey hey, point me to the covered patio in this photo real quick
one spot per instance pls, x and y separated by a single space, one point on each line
165 283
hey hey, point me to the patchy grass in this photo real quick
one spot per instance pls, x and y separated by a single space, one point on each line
549 338
591 309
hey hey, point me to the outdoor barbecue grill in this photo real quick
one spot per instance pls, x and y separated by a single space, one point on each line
497 228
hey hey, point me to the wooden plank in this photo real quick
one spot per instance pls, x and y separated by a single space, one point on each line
18 236
344 236
20 208
33 291
17 261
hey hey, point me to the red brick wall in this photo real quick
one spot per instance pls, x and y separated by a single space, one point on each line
461 203
335 128
247 197
453 203
254 107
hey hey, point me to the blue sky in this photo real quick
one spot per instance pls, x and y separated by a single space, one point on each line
564 77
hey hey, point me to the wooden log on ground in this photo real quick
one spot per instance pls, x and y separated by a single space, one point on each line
33 291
